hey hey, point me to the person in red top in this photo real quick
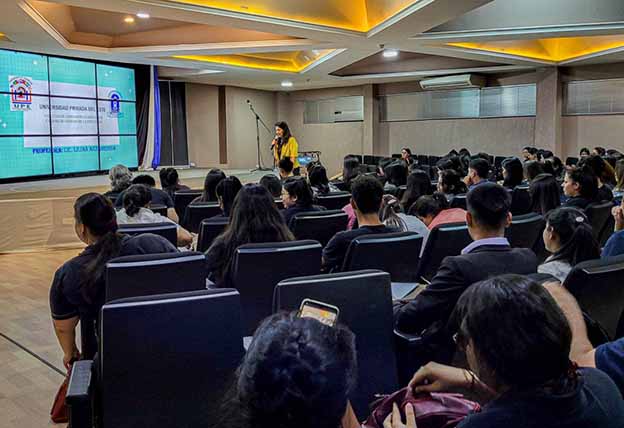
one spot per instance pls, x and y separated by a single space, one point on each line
434 210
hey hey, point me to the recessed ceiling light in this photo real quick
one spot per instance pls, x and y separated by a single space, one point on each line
129 20
390 53
287 84
143 15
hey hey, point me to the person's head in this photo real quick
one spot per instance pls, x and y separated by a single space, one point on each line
584 152
450 182
226 192
286 167
418 184
366 194
529 153
568 236
530 346
318 178
406 153
557 165
619 174
144 179
428 207
602 169
388 213
580 182
297 191
396 173
478 170
599 151
464 152
136 197
283 131
545 194
214 177
272 184
297 373
513 174
488 210
532 169
168 177
120 178
382 164
547 155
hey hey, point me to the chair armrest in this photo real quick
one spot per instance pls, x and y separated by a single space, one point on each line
409 339
78 396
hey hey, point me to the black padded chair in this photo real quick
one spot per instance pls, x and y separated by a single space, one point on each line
598 215
498 161
401 191
598 285
520 201
159 209
444 240
163 361
148 274
341 185
334 200
257 268
365 304
525 230
209 229
182 198
433 160
459 201
571 161
396 253
279 203
372 160
195 213
167 230
607 231
423 160
320 226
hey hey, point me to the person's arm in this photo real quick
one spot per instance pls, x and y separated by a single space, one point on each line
171 214
64 314
66 334
184 237
618 216
294 150
333 254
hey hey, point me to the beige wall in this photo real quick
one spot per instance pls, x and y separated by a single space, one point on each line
202 124
592 131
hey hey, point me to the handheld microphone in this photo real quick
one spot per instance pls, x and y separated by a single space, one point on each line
248 102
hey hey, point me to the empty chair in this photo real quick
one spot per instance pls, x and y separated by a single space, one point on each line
320 226
598 215
444 240
598 287
372 160
195 213
159 209
163 361
182 198
209 229
520 201
365 304
525 230
459 201
395 253
149 274
257 268
334 200
167 230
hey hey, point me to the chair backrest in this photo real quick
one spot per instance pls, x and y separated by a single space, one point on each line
598 287
182 198
444 240
571 161
520 200
396 253
459 201
320 226
365 302
607 231
334 200
401 191
279 203
167 230
166 361
195 213
148 274
498 161
257 268
159 209
209 229
598 215
525 230
433 160
423 160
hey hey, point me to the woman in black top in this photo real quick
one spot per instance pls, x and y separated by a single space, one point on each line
254 219
213 178
78 289
226 194
418 184
545 194
580 186
317 175
605 174
513 174
170 181
297 197
450 184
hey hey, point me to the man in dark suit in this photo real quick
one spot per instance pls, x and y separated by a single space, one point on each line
488 255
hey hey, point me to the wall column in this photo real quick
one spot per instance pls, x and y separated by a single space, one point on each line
368 125
548 132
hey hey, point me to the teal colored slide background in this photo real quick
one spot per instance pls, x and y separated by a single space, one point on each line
23 64
125 153
121 79
16 161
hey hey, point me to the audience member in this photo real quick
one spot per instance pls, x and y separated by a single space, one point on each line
170 181
350 170
78 289
297 373
450 184
273 185
406 156
521 367
478 173
513 174
159 197
460 165
619 176
488 255
120 178
568 237
254 219
434 211
396 175
558 167
532 169
418 184
391 215
584 152
213 178
226 191
366 195
545 194
319 182
286 168
580 186
529 154
615 244
298 198
605 176
599 151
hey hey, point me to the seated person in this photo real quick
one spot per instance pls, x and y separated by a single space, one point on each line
568 237
488 255
159 197
273 185
521 368
350 169
366 195
78 290
545 194
297 198
533 169
136 202
605 175
297 373
120 178
213 178
584 152
615 244
396 175
418 184
450 184
529 154
317 175
226 194
170 181
254 219
580 186
391 215
286 168
433 210
478 172
513 174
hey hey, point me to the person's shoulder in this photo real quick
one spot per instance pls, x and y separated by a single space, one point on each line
146 243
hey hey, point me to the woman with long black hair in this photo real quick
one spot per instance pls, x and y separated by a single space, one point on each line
284 145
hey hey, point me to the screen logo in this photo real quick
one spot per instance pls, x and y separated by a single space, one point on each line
114 109
21 93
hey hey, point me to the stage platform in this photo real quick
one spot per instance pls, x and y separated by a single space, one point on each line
38 215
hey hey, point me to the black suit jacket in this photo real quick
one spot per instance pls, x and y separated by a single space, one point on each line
431 309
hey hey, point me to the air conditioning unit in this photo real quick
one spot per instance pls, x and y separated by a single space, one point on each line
462 81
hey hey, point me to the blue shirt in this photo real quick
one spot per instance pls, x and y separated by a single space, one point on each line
614 246
487 241
472 186
610 359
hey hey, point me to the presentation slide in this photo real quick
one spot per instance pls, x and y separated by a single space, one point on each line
61 116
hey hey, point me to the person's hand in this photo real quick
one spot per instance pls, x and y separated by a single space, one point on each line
618 216
435 377
394 419
68 358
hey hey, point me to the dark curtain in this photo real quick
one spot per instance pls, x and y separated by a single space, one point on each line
166 149
142 77
173 148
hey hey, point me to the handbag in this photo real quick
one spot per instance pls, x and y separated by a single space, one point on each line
435 410
59 414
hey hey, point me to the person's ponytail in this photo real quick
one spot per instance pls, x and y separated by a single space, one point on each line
136 197
575 235
388 213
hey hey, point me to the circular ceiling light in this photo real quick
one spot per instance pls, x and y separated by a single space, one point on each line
143 15
287 84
